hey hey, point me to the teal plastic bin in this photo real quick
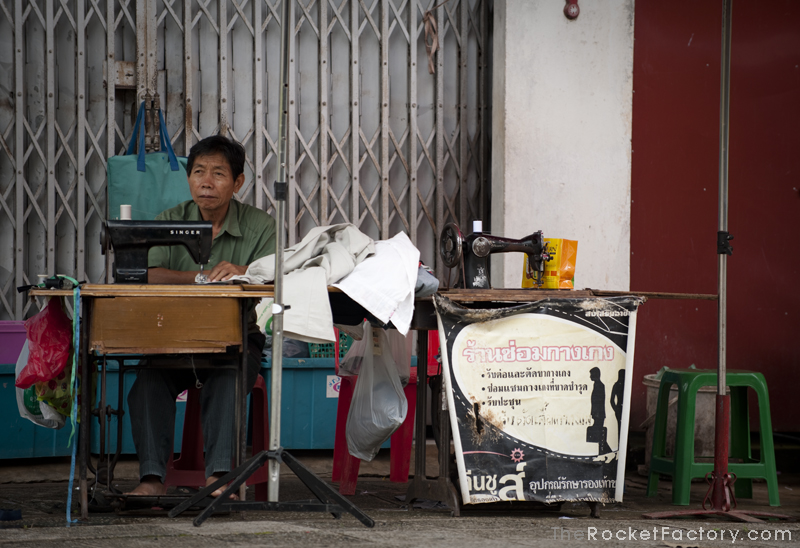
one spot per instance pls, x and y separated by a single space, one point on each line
23 439
309 397
309 401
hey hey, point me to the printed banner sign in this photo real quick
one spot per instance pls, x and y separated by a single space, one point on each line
539 397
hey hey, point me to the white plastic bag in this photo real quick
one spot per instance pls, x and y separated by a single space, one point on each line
399 347
354 357
38 412
379 405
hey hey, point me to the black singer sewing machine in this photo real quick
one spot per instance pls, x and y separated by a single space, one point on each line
472 254
132 240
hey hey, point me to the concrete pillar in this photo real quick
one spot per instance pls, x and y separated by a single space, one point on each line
561 130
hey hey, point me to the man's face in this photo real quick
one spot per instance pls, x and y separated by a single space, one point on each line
212 184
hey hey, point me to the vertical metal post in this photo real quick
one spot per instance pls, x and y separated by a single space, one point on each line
413 192
720 499
438 182
273 484
258 121
385 190
80 23
51 138
484 119
462 115
19 160
224 124
111 71
188 117
151 41
724 118
354 118
290 127
324 118
141 51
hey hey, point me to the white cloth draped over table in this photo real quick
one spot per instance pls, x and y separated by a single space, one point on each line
324 256
378 275
384 283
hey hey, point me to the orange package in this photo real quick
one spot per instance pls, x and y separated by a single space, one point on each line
559 271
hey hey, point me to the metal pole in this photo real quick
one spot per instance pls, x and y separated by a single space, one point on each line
277 307
724 117
721 496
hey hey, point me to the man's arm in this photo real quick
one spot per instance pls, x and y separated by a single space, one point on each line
222 271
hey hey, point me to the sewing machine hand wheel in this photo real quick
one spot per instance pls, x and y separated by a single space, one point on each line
451 244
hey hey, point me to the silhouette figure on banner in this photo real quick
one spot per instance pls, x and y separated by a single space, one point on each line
597 432
617 392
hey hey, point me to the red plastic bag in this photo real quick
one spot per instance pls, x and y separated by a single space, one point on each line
49 342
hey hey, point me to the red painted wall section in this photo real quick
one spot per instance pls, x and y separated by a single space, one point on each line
674 210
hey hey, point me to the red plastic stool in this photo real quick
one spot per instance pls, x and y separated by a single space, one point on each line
345 466
189 469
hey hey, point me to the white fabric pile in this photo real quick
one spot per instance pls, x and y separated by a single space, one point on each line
380 276
384 283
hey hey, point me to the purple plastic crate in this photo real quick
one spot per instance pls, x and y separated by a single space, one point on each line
12 338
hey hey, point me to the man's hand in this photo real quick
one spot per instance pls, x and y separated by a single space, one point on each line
224 270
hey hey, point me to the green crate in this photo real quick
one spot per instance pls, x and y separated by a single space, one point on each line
327 350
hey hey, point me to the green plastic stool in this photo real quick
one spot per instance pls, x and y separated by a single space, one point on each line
682 467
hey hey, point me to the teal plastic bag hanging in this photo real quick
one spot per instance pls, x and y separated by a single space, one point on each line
150 183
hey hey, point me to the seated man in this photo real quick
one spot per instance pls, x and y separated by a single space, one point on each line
241 234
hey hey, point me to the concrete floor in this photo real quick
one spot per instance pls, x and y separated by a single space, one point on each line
39 489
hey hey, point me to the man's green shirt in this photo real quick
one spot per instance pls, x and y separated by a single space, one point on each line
248 234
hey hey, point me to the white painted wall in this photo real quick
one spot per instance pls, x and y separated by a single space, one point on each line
561 150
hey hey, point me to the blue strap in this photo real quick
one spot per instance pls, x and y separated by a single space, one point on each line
76 327
166 143
138 130
161 133
76 346
136 127
140 158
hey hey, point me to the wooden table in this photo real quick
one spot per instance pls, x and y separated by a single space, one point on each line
120 319
157 319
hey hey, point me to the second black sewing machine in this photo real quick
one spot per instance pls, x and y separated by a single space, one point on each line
472 253
131 240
